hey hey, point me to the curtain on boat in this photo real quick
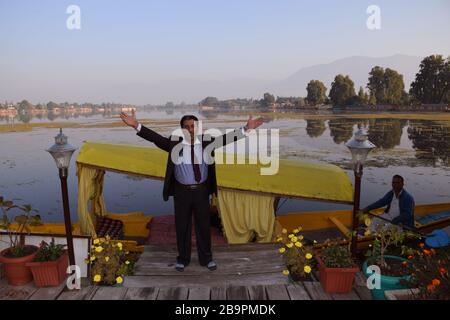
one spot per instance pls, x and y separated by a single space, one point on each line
246 215
90 189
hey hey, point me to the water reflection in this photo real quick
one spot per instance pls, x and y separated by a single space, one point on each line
431 140
421 155
386 133
341 130
315 128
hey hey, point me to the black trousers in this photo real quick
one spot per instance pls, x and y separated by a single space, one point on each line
186 202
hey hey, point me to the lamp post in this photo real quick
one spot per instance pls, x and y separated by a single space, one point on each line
360 147
62 152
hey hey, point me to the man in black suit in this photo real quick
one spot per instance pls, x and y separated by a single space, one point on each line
190 178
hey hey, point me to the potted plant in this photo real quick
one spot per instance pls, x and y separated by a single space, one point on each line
429 269
336 268
49 265
109 262
393 271
297 256
17 255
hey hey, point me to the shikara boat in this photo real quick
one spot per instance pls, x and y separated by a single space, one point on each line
246 199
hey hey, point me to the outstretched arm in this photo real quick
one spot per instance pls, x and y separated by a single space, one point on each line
144 132
378 204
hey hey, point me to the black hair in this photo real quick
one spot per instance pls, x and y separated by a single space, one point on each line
187 117
399 177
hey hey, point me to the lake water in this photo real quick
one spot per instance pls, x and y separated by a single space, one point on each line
419 150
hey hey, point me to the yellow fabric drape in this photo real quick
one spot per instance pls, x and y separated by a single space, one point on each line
245 215
294 178
90 188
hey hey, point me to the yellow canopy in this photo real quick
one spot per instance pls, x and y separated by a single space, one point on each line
245 215
295 179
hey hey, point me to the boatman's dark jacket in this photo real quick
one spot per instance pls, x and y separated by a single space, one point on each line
406 204
167 144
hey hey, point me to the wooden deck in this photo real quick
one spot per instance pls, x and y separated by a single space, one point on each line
245 272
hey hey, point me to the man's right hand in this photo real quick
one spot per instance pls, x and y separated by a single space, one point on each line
129 120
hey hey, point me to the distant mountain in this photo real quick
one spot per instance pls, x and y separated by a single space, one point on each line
356 67
193 90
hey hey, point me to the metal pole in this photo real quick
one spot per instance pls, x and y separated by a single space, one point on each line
67 221
354 245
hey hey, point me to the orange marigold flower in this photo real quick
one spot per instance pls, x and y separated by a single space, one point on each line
430 287
435 282
421 245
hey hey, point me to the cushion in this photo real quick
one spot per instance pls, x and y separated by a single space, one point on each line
111 227
438 238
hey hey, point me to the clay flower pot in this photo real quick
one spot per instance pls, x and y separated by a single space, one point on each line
336 280
16 270
50 273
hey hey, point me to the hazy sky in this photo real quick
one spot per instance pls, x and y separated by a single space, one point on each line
123 44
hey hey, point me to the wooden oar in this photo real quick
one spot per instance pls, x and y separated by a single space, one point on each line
401 226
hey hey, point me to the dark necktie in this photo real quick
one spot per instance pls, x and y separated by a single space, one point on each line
195 166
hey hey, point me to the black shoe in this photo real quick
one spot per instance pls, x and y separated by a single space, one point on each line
179 267
211 266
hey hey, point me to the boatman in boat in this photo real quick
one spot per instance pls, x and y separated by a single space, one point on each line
190 179
399 206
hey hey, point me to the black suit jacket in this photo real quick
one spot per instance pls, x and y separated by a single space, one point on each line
167 144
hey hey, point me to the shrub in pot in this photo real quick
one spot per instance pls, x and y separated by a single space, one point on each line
336 268
430 277
49 265
393 271
17 255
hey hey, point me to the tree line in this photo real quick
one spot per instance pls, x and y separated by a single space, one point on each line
386 86
25 105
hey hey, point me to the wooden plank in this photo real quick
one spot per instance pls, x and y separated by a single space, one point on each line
17 292
172 293
48 293
316 291
363 293
360 280
342 228
238 257
109 293
85 293
250 247
141 294
277 292
218 293
221 271
199 293
210 279
297 292
257 292
345 296
237 293
360 287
